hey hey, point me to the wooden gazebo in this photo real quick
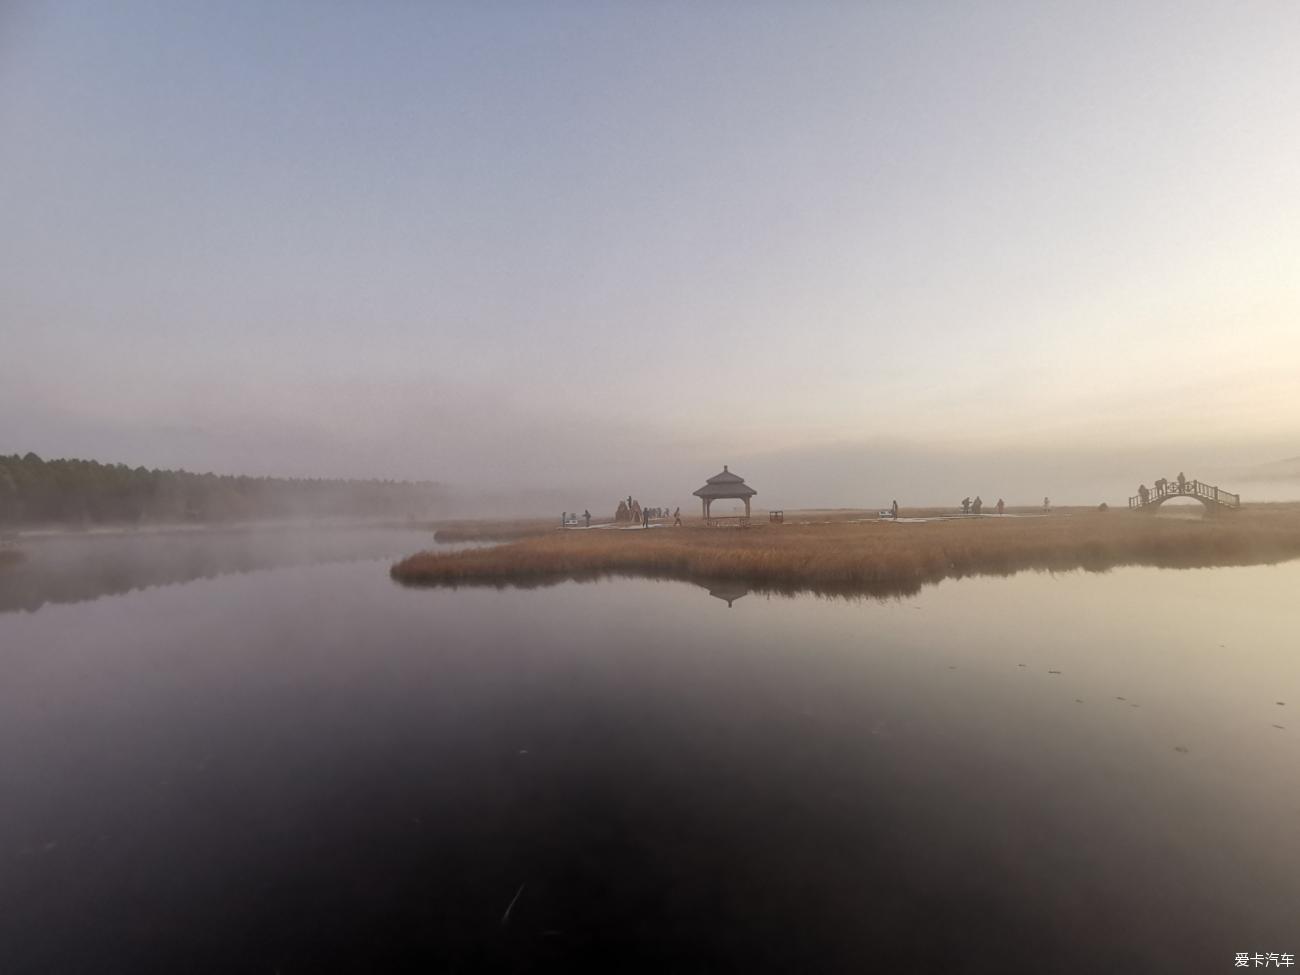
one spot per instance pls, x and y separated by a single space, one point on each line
725 486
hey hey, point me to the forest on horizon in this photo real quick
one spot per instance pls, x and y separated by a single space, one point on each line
70 491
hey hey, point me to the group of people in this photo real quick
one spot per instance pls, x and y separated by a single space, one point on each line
1163 487
631 511
969 507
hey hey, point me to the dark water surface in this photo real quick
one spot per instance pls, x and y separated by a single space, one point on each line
288 763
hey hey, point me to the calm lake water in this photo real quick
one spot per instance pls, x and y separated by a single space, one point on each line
275 759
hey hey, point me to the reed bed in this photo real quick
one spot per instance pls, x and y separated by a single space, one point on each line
872 556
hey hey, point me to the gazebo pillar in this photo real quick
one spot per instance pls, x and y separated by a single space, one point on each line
747 507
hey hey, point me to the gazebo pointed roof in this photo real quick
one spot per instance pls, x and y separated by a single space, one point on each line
725 485
728 592
726 477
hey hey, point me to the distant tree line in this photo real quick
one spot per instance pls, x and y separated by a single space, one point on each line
85 492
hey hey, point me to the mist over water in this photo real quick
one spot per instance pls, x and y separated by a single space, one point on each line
63 567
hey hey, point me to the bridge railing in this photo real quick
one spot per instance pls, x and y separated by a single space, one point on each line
1189 489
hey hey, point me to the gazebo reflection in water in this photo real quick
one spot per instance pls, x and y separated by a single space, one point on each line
725 486
728 591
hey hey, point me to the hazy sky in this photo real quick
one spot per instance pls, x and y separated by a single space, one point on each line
856 250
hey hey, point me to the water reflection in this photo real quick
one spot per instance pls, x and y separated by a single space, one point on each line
71 567
727 591
314 769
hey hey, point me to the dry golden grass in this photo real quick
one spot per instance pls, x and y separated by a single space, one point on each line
845 556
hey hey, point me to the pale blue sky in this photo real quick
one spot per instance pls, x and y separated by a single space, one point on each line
855 249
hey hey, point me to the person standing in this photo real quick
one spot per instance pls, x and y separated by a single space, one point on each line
1047 504
645 517
677 518
965 505
894 509
587 516
1001 506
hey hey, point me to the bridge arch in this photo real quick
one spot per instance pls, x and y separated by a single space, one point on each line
1156 503
1211 496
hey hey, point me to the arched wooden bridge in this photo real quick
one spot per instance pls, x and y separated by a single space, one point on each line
1213 497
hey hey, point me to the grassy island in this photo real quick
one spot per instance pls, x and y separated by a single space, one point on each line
843 554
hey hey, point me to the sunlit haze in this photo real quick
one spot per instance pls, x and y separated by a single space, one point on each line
856 251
